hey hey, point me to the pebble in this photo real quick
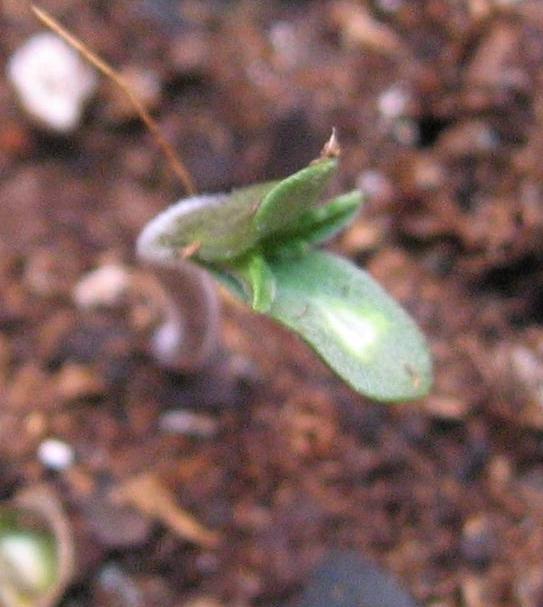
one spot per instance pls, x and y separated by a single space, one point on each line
103 287
56 454
52 82
345 579
374 184
116 587
286 42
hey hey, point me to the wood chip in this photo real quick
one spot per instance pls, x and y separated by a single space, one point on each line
148 494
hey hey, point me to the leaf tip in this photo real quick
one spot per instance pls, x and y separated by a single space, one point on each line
331 148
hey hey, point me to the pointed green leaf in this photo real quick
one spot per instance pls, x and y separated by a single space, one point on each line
290 198
317 225
324 222
353 324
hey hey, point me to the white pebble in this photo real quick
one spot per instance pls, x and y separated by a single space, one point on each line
104 286
55 454
52 81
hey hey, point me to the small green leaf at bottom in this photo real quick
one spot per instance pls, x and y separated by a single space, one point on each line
353 324
254 272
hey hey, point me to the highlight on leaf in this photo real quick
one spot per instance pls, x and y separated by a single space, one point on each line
353 324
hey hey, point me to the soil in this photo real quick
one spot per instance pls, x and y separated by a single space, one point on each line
438 106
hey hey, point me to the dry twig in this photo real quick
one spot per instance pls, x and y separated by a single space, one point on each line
176 163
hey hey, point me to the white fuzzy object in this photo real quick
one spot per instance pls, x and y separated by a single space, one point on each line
52 81
56 454
104 286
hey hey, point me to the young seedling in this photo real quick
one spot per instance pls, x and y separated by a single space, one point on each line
261 242
36 549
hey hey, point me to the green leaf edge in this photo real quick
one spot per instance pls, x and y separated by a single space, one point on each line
292 196
417 377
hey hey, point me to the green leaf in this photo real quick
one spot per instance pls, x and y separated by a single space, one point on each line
353 324
317 225
282 206
228 226
258 242
256 274
221 224
322 223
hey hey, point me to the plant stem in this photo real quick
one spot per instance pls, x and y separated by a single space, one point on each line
188 338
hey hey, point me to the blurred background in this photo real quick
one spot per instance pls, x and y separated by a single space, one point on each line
225 489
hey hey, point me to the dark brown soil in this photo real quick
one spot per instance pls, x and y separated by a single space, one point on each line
438 105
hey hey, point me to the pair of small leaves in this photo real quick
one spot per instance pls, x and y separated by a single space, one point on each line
289 242
260 242
229 226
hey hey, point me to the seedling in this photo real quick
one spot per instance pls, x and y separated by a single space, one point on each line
36 549
261 242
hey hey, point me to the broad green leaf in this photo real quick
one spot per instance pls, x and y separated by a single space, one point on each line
353 324
282 206
316 225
